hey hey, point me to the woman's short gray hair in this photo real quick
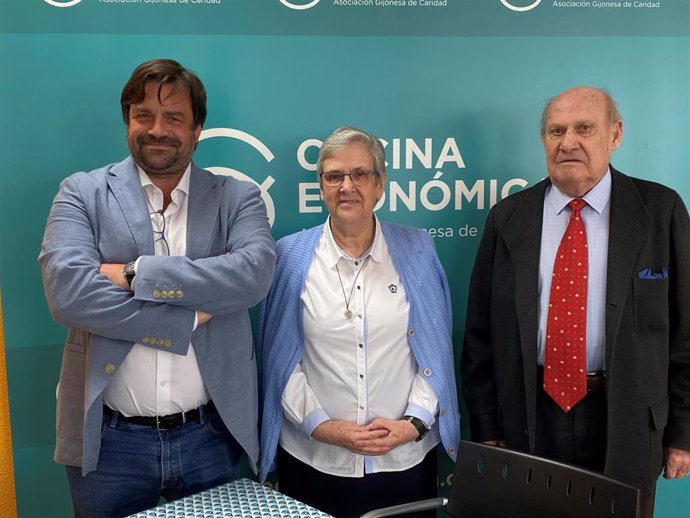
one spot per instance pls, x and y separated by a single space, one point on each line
346 135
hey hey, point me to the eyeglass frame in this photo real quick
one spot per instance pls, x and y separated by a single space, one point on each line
162 237
358 183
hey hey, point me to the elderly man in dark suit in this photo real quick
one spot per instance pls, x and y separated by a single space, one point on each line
577 344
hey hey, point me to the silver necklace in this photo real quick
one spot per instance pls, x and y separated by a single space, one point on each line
348 312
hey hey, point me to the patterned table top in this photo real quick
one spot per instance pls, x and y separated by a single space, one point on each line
243 498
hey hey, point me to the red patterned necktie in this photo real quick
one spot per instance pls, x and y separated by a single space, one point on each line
565 365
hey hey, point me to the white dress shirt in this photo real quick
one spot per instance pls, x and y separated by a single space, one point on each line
356 369
595 216
151 382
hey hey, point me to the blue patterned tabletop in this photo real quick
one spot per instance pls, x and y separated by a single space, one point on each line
243 498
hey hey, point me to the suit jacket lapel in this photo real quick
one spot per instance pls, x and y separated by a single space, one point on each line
124 183
522 236
202 211
629 225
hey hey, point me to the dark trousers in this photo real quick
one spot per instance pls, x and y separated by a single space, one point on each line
578 437
346 497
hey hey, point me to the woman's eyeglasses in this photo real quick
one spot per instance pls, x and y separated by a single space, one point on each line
358 177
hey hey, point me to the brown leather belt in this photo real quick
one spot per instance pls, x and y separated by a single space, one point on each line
596 381
165 422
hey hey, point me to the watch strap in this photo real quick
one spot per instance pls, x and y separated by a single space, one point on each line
419 425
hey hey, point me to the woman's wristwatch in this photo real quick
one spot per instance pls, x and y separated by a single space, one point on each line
419 425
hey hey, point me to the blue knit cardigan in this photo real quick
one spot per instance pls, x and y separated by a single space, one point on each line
281 338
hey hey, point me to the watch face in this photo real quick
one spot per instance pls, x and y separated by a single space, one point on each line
129 272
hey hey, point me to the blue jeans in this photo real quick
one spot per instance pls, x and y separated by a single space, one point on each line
138 465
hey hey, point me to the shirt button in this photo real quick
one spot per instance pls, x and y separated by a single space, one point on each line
427 372
156 294
410 332
110 368
361 345
451 451
361 407
163 383
356 263
361 376
442 413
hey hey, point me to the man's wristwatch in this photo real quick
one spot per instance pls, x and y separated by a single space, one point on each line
419 425
129 272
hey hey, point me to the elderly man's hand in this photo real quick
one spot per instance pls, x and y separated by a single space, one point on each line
677 463
356 438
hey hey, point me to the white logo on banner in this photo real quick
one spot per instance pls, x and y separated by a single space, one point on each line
309 5
525 8
226 171
57 3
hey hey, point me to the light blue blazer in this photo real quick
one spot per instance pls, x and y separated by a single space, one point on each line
102 217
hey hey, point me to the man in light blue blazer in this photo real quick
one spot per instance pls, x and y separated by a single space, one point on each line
152 264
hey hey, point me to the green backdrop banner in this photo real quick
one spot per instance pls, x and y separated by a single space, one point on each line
454 88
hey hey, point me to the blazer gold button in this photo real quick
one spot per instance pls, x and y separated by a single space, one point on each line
179 294
427 372
110 368
164 294
410 332
145 340
160 342
171 294
168 343
156 294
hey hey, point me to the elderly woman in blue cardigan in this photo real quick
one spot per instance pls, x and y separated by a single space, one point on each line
355 336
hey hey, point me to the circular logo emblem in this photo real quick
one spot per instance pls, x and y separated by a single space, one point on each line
65 3
259 146
299 7
520 9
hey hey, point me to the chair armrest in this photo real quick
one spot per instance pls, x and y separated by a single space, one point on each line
412 507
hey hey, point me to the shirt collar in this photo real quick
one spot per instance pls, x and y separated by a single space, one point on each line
597 197
180 190
334 253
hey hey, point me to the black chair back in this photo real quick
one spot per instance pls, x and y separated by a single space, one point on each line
491 482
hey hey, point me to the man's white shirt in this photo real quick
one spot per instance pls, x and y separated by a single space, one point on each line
151 382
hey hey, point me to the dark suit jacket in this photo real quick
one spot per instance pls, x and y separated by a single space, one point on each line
647 327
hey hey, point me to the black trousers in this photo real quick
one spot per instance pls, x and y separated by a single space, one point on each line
578 437
347 497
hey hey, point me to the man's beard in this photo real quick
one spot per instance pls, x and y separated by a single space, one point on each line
171 160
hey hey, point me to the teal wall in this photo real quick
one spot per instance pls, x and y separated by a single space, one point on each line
467 80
